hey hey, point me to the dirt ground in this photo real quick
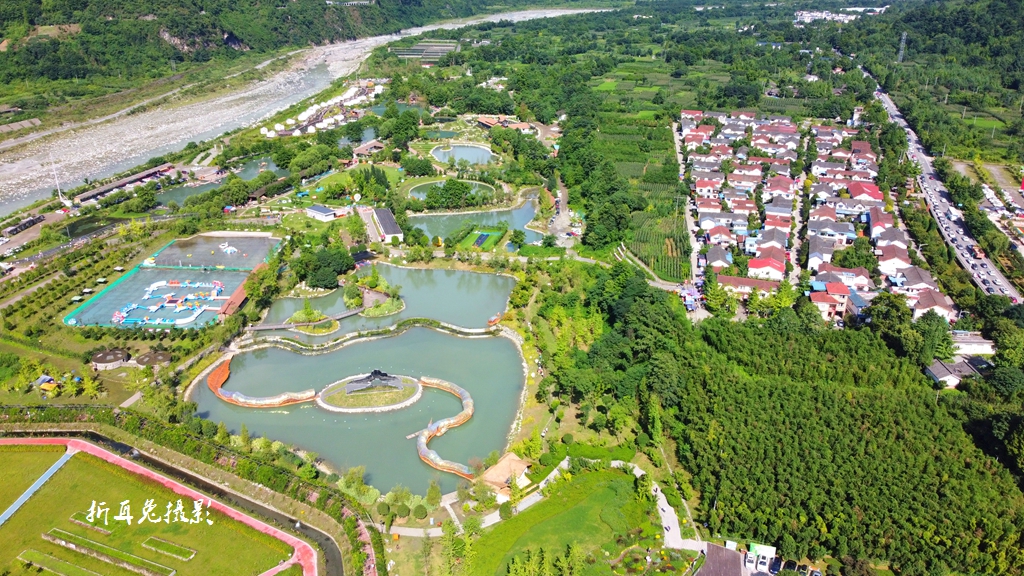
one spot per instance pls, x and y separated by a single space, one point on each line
1006 181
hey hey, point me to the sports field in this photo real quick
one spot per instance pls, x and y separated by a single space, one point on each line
483 238
226 547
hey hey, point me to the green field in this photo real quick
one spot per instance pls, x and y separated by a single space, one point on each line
225 547
21 469
588 512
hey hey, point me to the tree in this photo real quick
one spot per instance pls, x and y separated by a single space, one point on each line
246 442
549 241
515 493
518 238
223 437
642 488
434 494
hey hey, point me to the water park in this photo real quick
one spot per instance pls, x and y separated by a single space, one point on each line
222 251
186 283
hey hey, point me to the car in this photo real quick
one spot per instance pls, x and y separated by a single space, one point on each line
790 565
802 570
775 565
762 563
749 561
1004 290
986 282
815 572
990 290
984 264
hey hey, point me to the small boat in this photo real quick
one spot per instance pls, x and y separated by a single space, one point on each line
494 320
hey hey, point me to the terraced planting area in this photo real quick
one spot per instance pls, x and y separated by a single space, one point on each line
56 514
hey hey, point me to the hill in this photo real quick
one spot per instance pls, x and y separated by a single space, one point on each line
49 48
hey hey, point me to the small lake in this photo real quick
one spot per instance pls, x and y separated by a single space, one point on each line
466 299
379 109
444 224
90 224
249 171
489 368
440 134
368 134
470 153
420 190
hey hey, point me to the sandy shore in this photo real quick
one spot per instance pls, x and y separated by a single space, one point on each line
99 150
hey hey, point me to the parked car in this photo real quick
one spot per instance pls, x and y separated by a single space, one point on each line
790 565
749 561
815 572
762 563
775 565
802 570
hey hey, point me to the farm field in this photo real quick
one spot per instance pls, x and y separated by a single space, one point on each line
224 547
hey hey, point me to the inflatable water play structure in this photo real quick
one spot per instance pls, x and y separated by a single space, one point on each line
190 303
216 379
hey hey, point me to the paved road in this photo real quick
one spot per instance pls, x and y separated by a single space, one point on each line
939 201
686 205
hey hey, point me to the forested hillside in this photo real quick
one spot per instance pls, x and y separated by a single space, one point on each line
822 442
67 49
963 60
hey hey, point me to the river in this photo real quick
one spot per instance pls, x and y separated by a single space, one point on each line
101 150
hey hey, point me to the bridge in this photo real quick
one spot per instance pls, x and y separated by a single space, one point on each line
286 326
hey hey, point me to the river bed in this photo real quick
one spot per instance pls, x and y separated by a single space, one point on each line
100 150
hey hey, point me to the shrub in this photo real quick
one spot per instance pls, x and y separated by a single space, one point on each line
383 509
420 512
567 439
402 511
505 510
642 440
545 459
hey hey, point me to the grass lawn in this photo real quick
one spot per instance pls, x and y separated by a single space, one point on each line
588 512
606 86
541 252
494 236
370 399
303 223
225 547
21 469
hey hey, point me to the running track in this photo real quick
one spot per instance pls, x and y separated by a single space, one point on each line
303 555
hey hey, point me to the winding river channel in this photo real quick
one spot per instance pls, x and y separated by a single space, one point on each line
100 150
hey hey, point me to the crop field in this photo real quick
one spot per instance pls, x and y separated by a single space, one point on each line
662 244
57 513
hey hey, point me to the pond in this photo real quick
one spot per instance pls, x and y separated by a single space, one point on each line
379 109
469 152
90 224
420 190
248 171
465 299
444 224
489 368
440 134
368 134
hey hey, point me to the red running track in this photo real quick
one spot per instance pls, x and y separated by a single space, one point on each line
304 554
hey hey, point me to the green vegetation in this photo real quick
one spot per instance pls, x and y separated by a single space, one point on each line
957 86
21 469
319 329
51 564
371 398
84 543
307 314
225 547
384 308
169 548
493 234
602 501
541 251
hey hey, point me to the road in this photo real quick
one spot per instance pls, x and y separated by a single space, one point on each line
984 272
690 227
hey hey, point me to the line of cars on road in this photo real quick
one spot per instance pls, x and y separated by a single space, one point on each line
759 564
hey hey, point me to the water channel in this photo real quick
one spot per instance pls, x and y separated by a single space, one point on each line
490 368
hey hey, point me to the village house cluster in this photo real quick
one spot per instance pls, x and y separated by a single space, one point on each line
747 199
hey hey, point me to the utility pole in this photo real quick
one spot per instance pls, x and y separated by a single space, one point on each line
903 47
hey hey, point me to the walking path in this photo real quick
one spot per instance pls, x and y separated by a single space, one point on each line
304 553
132 400
36 486
669 520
